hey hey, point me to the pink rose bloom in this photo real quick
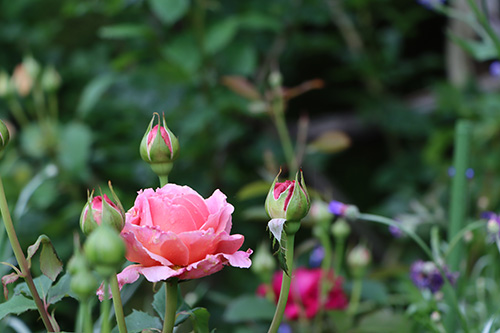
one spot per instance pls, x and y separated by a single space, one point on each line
174 232
304 296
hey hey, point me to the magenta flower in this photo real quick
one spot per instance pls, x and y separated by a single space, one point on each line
174 232
304 297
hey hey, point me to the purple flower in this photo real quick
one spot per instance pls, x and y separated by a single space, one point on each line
316 257
284 328
431 4
337 208
426 275
396 231
495 68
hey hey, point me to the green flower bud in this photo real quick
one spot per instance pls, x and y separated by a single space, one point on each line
319 212
263 263
341 229
32 67
101 210
83 284
4 135
105 250
77 263
159 147
51 80
358 259
288 200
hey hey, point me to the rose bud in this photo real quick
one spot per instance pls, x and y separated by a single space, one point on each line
105 250
83 284
287 201
101 210
358 260
51 80
159 147
4 135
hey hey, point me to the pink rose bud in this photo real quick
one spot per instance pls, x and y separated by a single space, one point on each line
288 200
101 210
4 135
159 147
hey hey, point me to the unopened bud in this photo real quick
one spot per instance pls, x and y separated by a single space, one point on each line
51 80
4 135
159 147
358 259
105 250
83 284
340 229
101 210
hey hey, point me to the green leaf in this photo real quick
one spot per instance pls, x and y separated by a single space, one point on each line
138 321
42 285
199 319
60 290
383 321
253 190
16 305
220 35
50 264
169 11
124 31
159 302
93 92
248 308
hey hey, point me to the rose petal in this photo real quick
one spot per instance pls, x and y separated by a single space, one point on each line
130 274
220 213
239 259
164 244
136 252
276 228
200 243
160 273
229 243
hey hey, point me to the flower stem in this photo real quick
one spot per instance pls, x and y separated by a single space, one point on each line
117 303
84 318
357 287
285 286
171 306
163 180
21 259
105 309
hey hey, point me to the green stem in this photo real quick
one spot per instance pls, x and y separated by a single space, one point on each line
105 309
53 105
458 204
286 141
357 287
326 266
285 286
117 303
410 233
454 241
486 25
84 318
21 259
171 306
163 180
339 254
17 111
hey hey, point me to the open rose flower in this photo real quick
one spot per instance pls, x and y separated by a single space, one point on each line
174 232
304 297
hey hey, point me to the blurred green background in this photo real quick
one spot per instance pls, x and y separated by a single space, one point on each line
373 87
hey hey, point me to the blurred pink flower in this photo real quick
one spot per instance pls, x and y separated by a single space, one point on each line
174 232
304 297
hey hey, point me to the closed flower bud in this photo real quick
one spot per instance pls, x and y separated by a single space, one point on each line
263 263
77 263
101 210
83 284
51 80
105 250
358 259
4 135
288 200
341 229
159 147
32 67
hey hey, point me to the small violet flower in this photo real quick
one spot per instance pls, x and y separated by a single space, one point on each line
426 275
395 231
495 68
431 4
493 224
316 257
285 328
